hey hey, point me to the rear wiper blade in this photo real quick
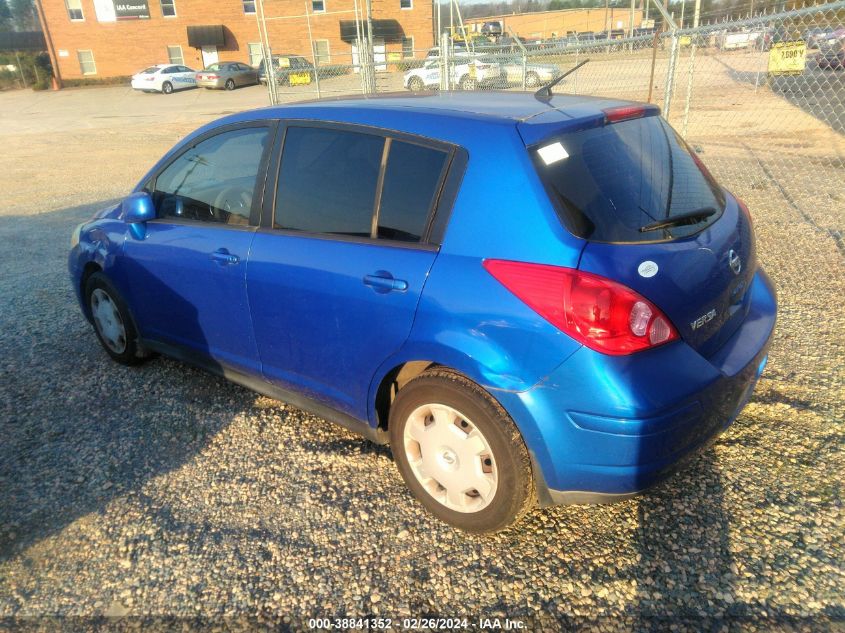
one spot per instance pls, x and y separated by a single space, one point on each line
692 217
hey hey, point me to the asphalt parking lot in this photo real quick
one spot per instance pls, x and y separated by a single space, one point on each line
162 491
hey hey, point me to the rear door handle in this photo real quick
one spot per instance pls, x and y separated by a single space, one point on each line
382 281
224 257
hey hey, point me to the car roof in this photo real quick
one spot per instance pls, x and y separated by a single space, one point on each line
536 118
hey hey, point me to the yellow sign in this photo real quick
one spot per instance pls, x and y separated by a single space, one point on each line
299 79
284 62
787 58
394 57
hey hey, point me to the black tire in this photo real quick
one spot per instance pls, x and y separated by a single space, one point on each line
515 492
230 84
166 88
132 353
416 84
532 79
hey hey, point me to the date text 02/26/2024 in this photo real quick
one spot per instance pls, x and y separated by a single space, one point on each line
410 624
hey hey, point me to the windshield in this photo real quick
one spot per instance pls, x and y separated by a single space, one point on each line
609 182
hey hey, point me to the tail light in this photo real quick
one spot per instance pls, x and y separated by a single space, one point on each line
602 314
626 113
212 76
150 78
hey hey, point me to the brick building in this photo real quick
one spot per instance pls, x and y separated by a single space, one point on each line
109 38
545 24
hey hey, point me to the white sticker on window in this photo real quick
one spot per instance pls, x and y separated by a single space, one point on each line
552 153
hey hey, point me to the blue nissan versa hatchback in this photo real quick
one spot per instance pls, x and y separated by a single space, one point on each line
531 299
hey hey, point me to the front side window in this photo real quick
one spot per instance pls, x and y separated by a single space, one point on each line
174 54
214 181
168 8
249 6
327 181
86 62
318 6
74 9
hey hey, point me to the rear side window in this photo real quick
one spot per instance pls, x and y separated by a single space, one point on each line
411 184
328 180
609 182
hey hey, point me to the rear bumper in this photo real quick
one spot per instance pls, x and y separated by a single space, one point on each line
211 83
604 428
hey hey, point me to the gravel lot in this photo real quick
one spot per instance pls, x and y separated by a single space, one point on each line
163 491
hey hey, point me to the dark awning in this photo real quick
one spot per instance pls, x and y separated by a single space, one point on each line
199 36
22 41
387 30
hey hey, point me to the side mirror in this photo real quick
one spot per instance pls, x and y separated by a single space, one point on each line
136 209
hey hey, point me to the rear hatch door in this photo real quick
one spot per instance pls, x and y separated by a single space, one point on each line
616 183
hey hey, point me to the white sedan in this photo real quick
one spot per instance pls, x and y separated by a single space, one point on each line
165 78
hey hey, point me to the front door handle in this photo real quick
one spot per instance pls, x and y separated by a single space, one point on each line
224 257
382 281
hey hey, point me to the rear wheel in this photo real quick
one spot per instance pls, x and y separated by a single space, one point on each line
468 83
166 87
230 84
532 80
460 453
113 324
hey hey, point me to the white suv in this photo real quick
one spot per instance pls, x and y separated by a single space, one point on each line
468 72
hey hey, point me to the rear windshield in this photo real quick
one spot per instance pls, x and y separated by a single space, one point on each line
152 70
609 182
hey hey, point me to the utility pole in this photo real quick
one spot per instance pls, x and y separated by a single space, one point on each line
57 75
697 14
371 56
631 21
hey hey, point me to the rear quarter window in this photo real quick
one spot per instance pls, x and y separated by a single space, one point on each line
623 176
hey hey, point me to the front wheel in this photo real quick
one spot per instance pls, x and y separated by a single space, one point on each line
460 453
166 87
112 322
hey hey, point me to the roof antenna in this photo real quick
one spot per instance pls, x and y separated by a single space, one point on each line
545 93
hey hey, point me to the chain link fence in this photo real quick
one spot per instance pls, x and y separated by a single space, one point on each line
760 99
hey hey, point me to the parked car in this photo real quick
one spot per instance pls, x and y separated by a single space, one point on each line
832 55
228 75
529 298
468 72
164 78
535 74
491 29
290 70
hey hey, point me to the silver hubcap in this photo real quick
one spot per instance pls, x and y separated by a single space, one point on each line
451 458
108 321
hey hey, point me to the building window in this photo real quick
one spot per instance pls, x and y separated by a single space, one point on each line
74 9
174 54
249 6
406 4
86 62
255 55
318 6
407 47
321 52
168 8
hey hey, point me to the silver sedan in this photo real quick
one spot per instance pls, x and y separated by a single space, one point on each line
228 75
